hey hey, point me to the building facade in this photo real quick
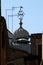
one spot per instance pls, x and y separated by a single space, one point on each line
20 48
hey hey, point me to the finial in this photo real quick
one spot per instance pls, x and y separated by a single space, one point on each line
20 24
20 15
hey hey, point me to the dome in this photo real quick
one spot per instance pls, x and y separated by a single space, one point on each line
21 33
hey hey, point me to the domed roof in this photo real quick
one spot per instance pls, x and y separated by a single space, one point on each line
21 33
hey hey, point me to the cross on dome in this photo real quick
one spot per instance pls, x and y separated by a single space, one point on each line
20 15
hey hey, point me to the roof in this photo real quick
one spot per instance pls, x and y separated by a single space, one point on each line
21 33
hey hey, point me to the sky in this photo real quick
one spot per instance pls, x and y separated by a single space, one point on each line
33 17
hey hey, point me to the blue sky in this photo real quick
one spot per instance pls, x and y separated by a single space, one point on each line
33 18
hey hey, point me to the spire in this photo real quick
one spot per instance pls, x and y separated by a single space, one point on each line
20 15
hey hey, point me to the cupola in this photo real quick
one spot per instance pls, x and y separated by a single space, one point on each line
21 34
